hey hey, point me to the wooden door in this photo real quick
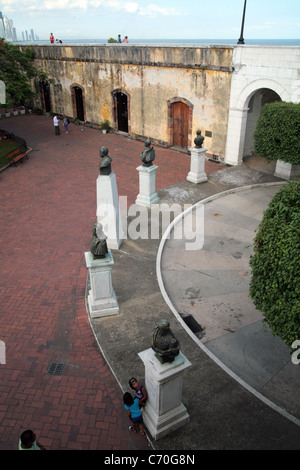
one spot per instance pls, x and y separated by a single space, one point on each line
180 124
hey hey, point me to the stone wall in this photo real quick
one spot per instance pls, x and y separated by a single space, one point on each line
153 78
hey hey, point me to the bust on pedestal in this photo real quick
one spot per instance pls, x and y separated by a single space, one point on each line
197 173
105 164
99 261
108 208
164 368
147 195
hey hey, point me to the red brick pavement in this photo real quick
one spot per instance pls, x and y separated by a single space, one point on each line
48 207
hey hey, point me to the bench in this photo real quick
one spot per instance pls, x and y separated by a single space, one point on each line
17 155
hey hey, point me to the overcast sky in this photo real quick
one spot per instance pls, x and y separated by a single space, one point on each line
155 19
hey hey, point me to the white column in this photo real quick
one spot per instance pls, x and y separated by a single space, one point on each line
164 412
197 173
147 195
108 210
236 136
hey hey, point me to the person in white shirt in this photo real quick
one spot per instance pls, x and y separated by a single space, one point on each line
56 125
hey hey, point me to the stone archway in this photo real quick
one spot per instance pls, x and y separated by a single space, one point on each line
44 88
180 117
238 127
256 101
121 110
78 101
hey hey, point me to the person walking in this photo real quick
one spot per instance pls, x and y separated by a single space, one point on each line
66 123
51 38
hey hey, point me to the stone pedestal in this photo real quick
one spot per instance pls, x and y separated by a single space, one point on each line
147 195
101 298
108 210
197 174
164 411
286 171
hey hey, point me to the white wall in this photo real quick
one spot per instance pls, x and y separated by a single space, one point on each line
257 67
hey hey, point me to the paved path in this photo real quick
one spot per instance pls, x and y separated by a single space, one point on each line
48 208
47 215
211 285
225 413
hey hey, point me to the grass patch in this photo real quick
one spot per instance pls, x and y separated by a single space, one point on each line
6 147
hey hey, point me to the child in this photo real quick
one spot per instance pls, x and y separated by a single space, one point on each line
134 413
140 391
28 441
66 122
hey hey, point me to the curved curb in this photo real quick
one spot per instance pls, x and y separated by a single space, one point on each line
168 301
105 357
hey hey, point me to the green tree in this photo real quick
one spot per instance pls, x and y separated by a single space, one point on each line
276 136
275 282
17 69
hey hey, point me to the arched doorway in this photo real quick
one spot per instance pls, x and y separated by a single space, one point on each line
180 114
256 101
180 124
78 102
243 115
121 110
45 96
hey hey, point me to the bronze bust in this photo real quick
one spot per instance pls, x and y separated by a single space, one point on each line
148 154
164 343
98 243
199 140
105 164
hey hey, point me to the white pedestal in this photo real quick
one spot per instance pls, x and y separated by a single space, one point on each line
101 299
286 171
108 210
164 411
147 195
197 174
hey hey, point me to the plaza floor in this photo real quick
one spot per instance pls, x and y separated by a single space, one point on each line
48 208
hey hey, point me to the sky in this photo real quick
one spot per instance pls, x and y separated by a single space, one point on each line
155 19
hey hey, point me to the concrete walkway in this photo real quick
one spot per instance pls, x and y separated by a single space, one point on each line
242 390
211 285
50 201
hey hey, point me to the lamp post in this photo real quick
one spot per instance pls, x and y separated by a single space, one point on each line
241 39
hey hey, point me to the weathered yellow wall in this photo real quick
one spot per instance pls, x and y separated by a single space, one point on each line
151 75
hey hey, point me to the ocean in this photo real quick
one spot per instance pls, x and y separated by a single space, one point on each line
197 42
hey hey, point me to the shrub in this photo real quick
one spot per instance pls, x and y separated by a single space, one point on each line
275 282
104 125
17 69
277 132
38 111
